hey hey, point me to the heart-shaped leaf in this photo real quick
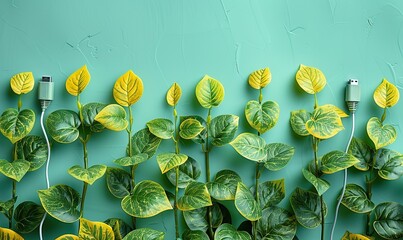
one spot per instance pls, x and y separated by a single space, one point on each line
320 185
201 137
196 219
195 235
227 231
389 164
63 126
386 94
28 215
9 234
68 237
22 83
250 146
247 206
61 202
174 94
355 198
131 161
15 170
260 78
167 161
128 89
339 112
15 124
147 199
145 233
89 175
95 230
360 150
195 196
298 121
388 222
144 141
34 150
209 92
381 135
224 185
89 112
188 172
223 128
118 182
276 223
113 117
335 161
78 81
324 123
354 236
7 205
310 79
190 128
161 127
278 155
271 193
262 117
120 228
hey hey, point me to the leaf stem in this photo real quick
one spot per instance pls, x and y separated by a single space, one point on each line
13 191
176 141
383 115
315 146
207 162
130 153
85 186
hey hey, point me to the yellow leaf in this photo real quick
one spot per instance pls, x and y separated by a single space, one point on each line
339 112
77 81
22 83
174 94
354 236
128 89
310 79
6 233
68 237
260 78
386 94
209 92
95 230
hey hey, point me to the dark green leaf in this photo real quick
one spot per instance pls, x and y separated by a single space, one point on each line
131 161
224 185
7 205
28 215
355 198
246 204
63 126
15 124
388 221
144 141
33 149
271 193
89 111
120 228
320 185
276 223
118 182
195 235
216 215
188 172
196 219
389 163
196 196
250 146
335 161
360 150
227 231
307 208
278 155
223 128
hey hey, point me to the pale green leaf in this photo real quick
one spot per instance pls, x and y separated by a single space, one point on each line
167 161
195 196
131 161
298 121
335 161
250 146
15 170
161 127
381 135
246 204
227 231
15 124
196 219
324 123
355 198
278 155
145 234
113 117
320 185
190 128
262 117
209 92
89 175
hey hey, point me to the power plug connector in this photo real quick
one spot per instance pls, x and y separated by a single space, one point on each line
353 94
45 91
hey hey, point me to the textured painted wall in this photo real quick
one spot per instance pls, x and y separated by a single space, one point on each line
178 40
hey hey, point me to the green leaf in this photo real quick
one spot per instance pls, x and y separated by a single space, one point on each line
61 202
77 81
15 124
7 205
209 92
271 193
260 78
298 121
354 236
174 94
247 206
113 117
15 170
388 222
223 128
144 141
8 234
310 79
201 137
325 123
320 185
335 161
389 164
63 126
131 161
147 199
34 150
119 227
355 198
250 146
381 135
89 112
224 185
306 206
95 230
195 196
339 112
278 155
89 175
227 231
118 182
188 172
196 219
128 89
168 161
386 94
161 127
217 216
360 150
28 215
276 223
262 117
195 235
68 237
22 83
145 233
190 128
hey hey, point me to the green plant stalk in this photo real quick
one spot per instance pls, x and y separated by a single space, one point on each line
130 153
85 186
369 180
176 141
257 174
207 162
315 145
13 192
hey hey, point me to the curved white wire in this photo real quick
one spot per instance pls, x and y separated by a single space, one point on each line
345 179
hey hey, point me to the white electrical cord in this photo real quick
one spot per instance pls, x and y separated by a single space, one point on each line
345 178
47 168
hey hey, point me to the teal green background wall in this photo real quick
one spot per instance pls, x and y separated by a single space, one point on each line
181 40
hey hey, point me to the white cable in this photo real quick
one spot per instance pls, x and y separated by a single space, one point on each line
46 170
345 179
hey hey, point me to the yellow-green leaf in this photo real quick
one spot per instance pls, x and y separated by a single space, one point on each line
310 79
209 92
15 124
128 89
77 81
381 135
196 196
95 230
89 175
354 236
22 83
298 121
167 161
15 170
9 234
174 94
324 123
260 78
68 237
245 203
386 94
113 117
190 128
339 112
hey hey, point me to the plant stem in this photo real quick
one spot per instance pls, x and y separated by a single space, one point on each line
207 161
130 153
175 202
14 189
85 186
315 146
368 182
